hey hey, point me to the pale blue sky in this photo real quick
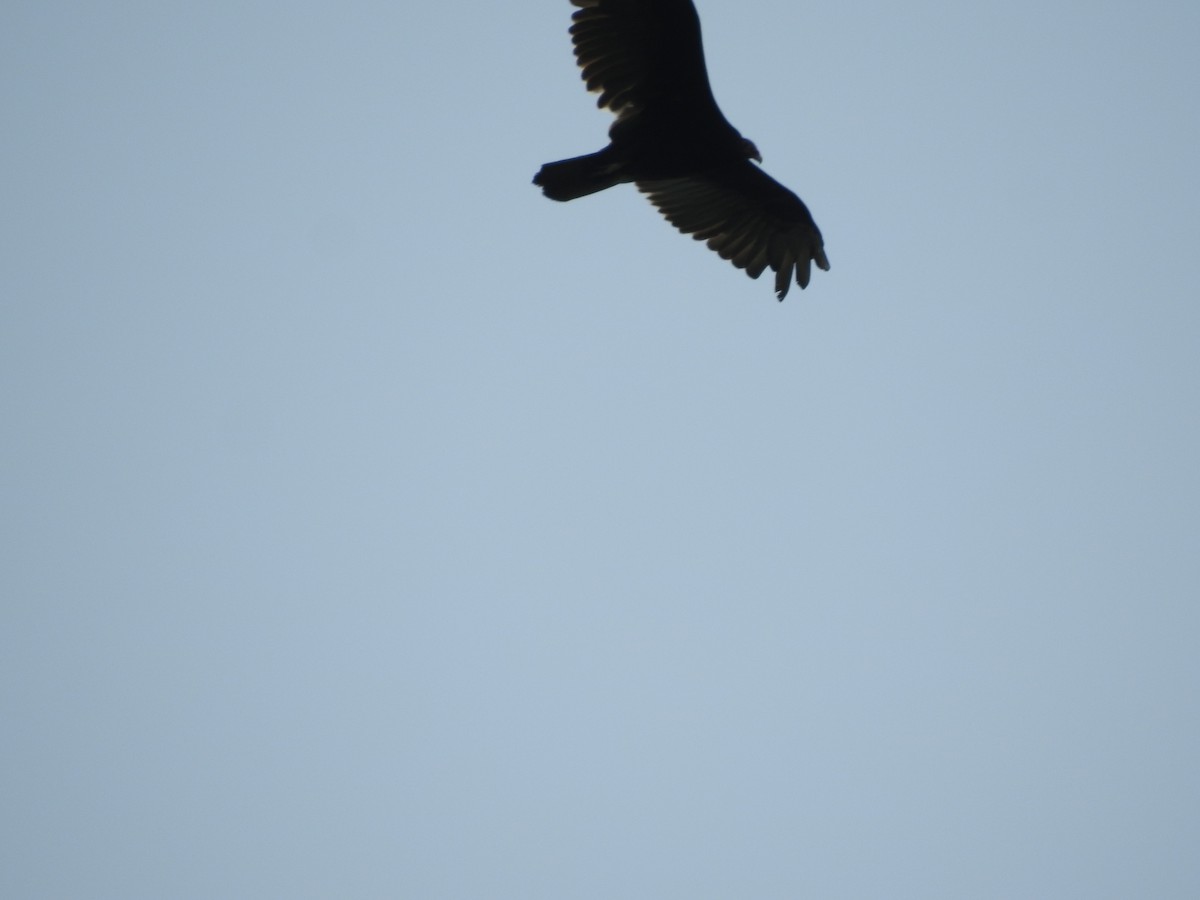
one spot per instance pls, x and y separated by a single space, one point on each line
374 527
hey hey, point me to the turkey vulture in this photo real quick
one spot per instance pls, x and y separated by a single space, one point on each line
645 59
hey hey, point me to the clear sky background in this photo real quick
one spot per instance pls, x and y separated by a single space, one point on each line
374 527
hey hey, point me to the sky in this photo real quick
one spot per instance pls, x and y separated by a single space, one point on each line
375 527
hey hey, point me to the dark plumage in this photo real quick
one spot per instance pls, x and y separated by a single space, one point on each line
646 60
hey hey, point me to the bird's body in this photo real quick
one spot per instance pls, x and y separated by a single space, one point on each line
646 59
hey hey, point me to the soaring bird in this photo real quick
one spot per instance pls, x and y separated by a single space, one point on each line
646 60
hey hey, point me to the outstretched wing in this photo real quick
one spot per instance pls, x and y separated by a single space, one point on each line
746 216
640 53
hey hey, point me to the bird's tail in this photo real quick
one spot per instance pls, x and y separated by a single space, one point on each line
578 177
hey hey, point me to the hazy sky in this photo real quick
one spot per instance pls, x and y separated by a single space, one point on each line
374 527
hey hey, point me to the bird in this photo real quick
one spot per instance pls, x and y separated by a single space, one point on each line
645 59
